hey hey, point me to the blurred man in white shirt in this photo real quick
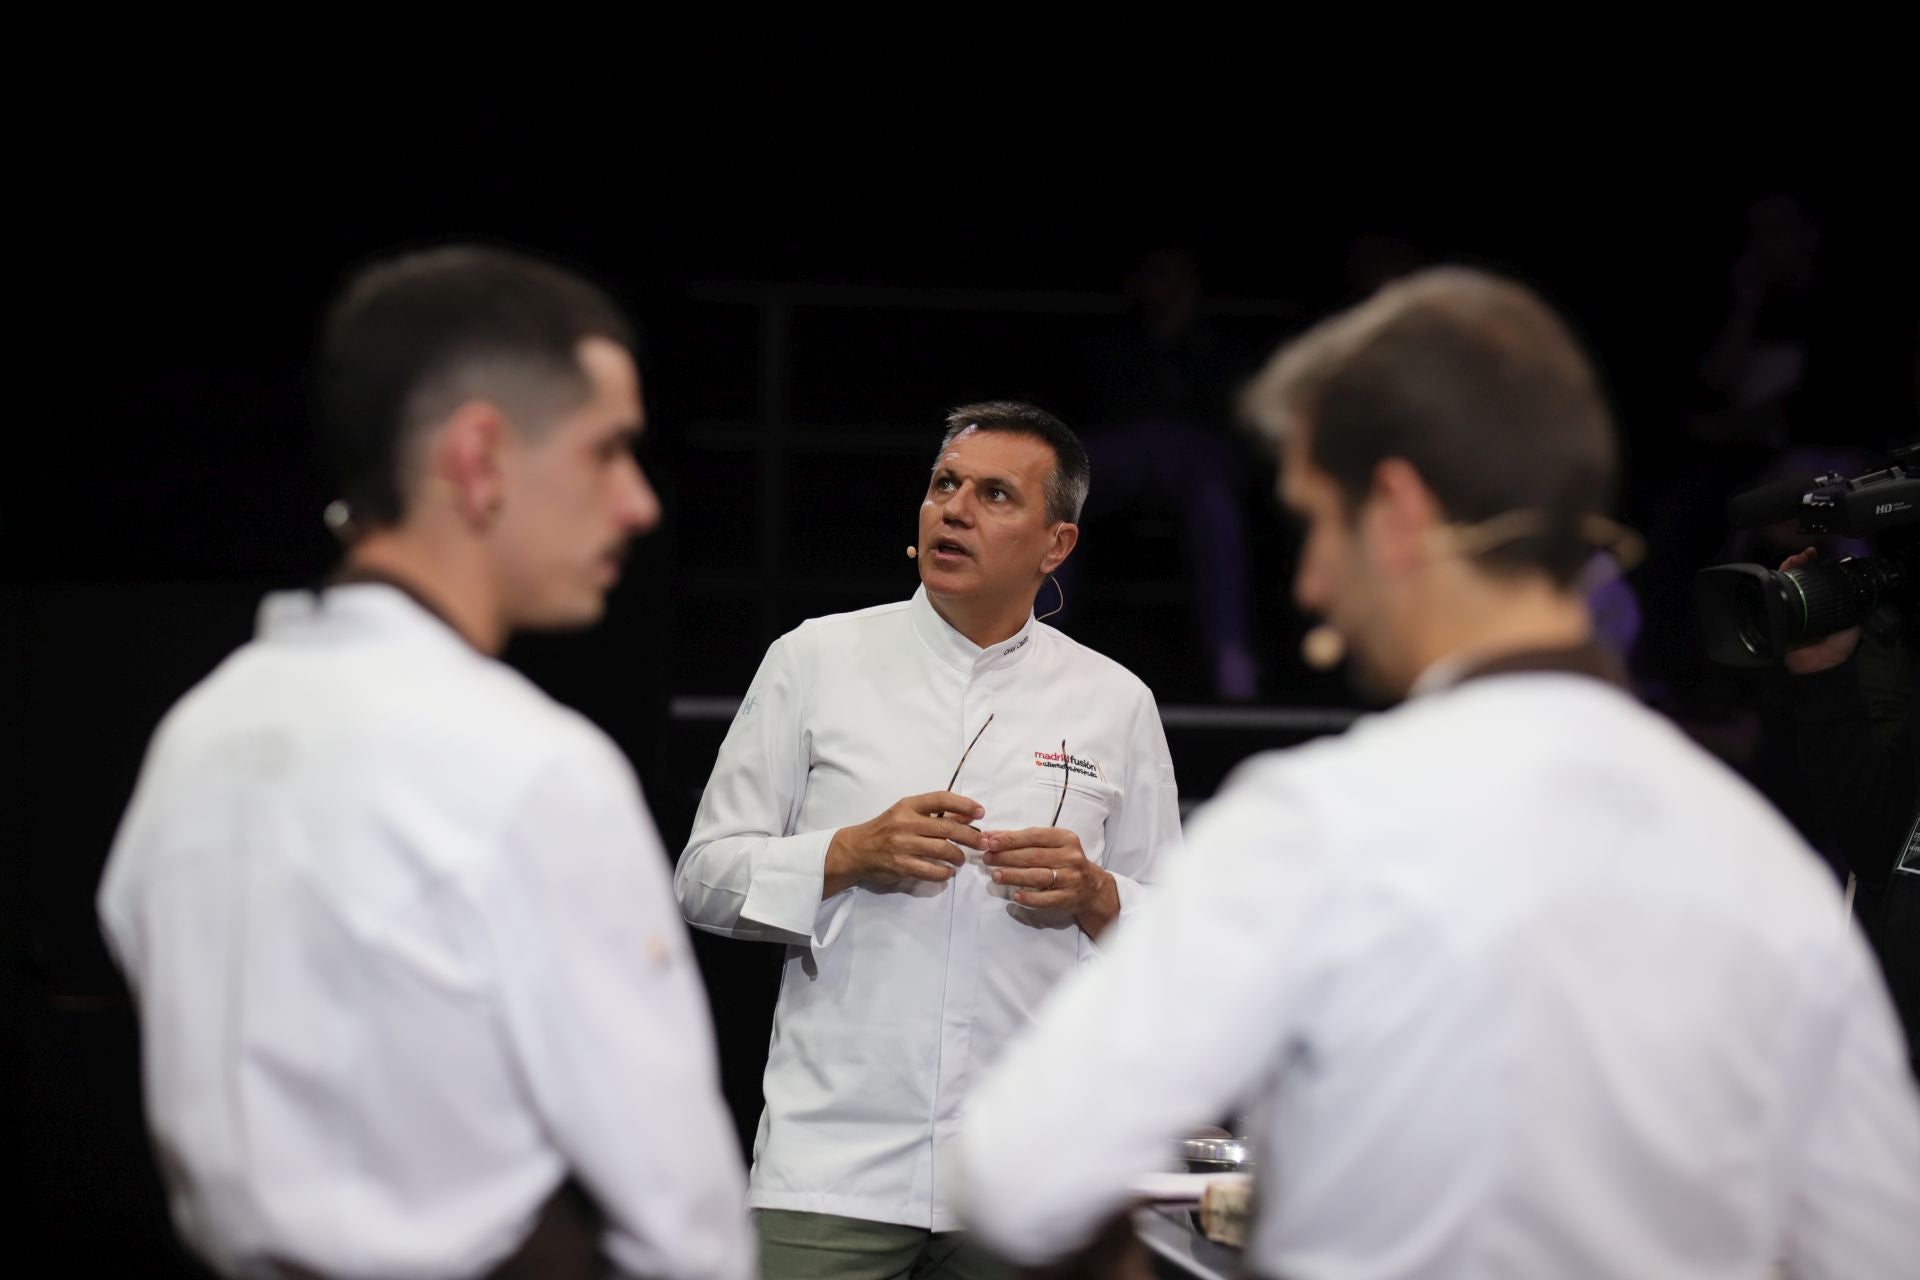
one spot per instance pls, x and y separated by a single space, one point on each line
414 996
1514 981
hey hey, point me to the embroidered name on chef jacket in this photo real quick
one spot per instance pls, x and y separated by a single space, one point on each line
1080 766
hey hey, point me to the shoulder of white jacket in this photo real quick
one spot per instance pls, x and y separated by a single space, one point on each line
1520 723
1092 661
207 700
829 628
1546 714
546 733
482 695
1362 752
852 617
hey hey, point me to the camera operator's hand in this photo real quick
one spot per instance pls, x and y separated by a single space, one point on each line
1827 652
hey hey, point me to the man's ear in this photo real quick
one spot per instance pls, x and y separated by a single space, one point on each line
467 461
1401 514
1066 536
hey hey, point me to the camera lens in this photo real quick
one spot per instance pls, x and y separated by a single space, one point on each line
1830 597
1750 617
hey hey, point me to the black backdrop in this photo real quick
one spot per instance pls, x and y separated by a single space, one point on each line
187 201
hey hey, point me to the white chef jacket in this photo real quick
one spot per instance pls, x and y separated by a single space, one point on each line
1517 982
893 1000
400 933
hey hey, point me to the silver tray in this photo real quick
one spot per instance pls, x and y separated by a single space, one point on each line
1216 1155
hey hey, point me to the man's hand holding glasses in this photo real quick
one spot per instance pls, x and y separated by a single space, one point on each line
913 840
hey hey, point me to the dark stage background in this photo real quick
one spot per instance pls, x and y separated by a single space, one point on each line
830 236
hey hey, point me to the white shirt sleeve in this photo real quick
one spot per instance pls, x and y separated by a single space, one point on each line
117 898
1187 1009
1856 1198
1148 828
608 1021
113 899
745 873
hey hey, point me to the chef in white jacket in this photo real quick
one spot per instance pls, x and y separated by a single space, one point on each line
1514 980
939 807
414 996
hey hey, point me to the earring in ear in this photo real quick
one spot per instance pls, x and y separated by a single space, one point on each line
338 517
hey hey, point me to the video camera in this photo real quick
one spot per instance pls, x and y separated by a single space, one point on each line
1749 615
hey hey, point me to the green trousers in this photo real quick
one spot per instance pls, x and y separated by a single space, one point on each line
820 1246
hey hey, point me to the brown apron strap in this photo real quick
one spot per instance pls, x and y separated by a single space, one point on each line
1592 660
563 1245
